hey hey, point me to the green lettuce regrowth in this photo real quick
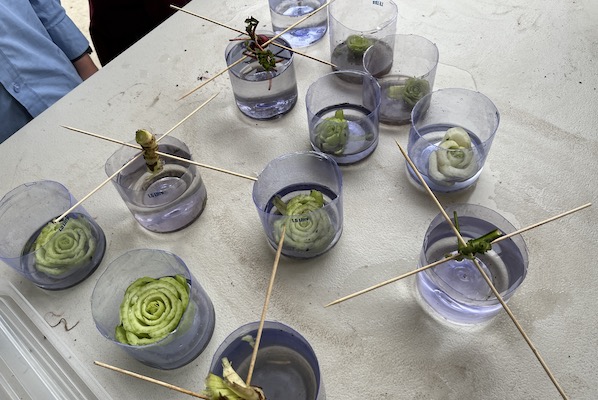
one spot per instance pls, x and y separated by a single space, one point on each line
475 246
152 309
411 92
62 247
358 44
454 158
332 134
308 226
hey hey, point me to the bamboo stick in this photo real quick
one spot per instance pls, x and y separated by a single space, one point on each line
152 380
245 33
425 267
77 204
379 285
265 44
265 308
537 224
96 135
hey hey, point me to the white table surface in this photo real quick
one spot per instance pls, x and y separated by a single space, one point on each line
535 59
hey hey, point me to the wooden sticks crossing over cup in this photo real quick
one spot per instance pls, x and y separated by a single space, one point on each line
101 185
323 6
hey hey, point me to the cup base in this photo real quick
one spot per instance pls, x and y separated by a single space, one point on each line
434 187
447 309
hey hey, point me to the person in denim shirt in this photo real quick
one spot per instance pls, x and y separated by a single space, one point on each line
43 56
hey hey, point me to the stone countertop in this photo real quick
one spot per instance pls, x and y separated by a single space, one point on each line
535 59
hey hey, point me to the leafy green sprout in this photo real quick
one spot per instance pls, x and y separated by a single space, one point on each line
479 245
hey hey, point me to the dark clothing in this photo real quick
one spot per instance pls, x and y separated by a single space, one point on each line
116 24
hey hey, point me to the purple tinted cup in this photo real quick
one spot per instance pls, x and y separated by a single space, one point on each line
405 68
161 202
51 255
192 333
450 137
286 365
342 115
314 231
456 290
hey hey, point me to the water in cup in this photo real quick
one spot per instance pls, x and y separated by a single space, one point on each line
167 201
427 144
285 13
282 373
262 94
456 290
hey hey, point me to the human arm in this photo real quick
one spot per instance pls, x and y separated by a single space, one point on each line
61 29
85 66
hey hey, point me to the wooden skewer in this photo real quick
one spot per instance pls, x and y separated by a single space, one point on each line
152 380
189 116
96 135
77 204
265 309
101 185
487 279
430 193
425 267
379 285
265 44
245 33
517 232
208 19
239 61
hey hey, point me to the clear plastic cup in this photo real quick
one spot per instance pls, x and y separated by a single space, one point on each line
285 13
164 202
318 226
286 365
51 255
355 25
450 137
405 68
342 115
456 290
188 338
261 94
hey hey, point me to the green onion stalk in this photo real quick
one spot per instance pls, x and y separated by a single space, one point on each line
308 225
152 309
479 245
149 144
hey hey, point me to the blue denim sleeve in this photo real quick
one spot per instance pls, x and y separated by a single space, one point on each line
60 27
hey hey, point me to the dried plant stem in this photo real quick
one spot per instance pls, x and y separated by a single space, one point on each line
101 185
131 145
265 44
245 33
486 278
152 380
265 308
